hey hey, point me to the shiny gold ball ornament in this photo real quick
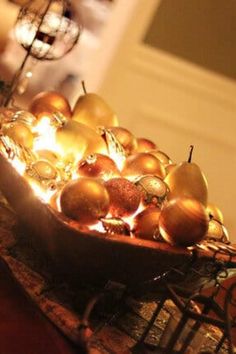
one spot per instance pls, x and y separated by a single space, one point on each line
85 200
217 232
146 223
161 156
98 166
20 134
215 213
154 190
49 102
183 222
145 145
78 140
169 167
124 197
90 109
125 138
143 163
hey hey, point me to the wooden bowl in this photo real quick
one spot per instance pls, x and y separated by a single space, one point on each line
89 256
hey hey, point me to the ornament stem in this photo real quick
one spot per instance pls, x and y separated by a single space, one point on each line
190 154
84 87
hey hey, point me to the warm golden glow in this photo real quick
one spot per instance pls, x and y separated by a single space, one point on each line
46 136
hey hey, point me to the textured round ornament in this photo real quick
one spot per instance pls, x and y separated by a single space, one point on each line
49 102
25 117
161 156
124 197
98 165
85 200
42 170
125 138
217 231
143 163
153 189
145 145
183 221
20 134
146 224
215 213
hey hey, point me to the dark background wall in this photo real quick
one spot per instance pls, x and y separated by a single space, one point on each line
201 31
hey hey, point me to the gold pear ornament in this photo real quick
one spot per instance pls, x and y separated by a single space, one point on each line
90 109
187 180
78 140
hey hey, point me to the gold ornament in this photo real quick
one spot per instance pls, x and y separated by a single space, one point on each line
125 138
217 232
154 190
115 226
145 145
48 155
99 166
90 109
215 213
20 134
187 180
124 197
170 167
161 156
79 140
143 163
183 221
146 223
85 200
42 170
24 117
49 102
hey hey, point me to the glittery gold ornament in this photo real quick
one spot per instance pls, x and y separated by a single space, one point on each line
183 221
215 213
49 102
145 145
20 134
125 138
143 163
79 140
99 166
146 223
124 197
154 190
85 200
161 156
